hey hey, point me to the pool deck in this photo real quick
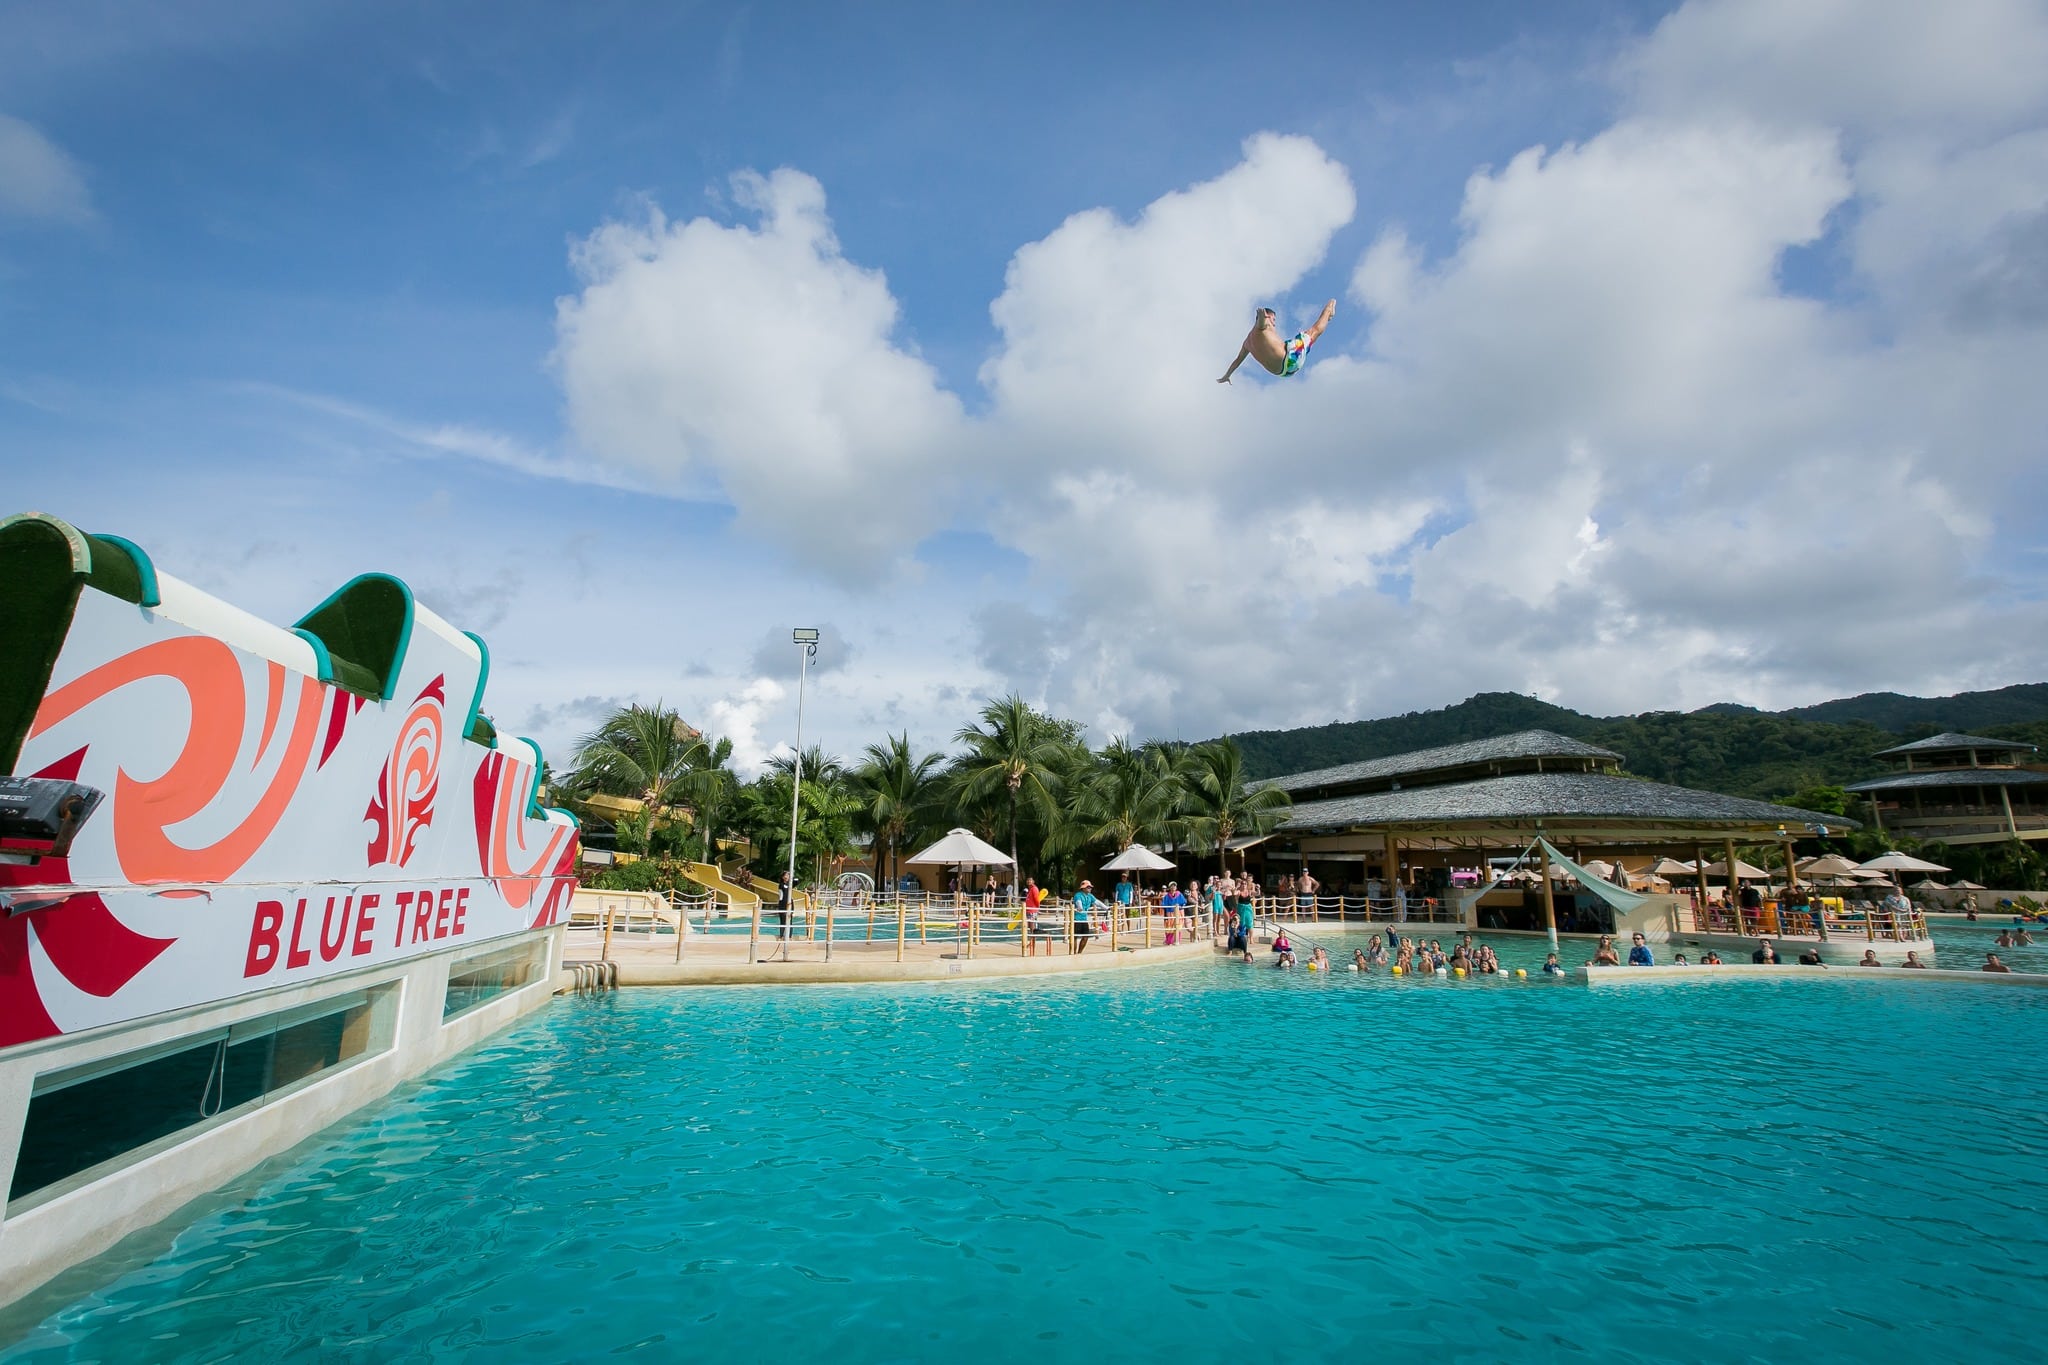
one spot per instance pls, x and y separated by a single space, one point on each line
1642 976
722 961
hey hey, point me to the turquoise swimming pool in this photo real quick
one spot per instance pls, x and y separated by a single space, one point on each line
1200 1161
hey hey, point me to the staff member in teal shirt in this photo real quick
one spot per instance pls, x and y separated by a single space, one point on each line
1084 902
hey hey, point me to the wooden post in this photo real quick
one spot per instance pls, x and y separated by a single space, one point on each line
901 911
2005 799
1734 885
1699 871
606 952
1394 874
1549 905
1148 928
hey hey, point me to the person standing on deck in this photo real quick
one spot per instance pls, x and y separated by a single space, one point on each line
1305 888
1084 906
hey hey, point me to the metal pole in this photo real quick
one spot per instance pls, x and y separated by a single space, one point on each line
796 785
1549 905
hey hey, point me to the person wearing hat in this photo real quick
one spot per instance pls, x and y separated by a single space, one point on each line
1084 904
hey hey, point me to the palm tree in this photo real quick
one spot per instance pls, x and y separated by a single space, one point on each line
895 788
1134 794
1220 806
644 752
1016 751
825 811
711 788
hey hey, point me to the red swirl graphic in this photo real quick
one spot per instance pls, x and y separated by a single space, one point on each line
403 804
143 811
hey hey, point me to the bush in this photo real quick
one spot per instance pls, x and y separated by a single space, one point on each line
642 874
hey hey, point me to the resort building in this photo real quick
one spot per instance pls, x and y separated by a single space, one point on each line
1426 828
1960 789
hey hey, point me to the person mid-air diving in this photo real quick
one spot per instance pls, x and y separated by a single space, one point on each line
1264 345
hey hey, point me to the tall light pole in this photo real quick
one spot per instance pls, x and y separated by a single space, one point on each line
807 638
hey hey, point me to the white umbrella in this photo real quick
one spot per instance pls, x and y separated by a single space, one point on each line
1901 862
1927 884
1827 865
1743 871
964 848
1599 867
1666 867
1136 858
1965 885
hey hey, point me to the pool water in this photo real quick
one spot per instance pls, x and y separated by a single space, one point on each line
1202 1161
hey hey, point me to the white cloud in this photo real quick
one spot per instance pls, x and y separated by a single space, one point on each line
37 180
760 357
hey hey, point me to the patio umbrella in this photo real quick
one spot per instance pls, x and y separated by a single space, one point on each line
1599 867
1743 871
1138 858
1927 884
1901 862
1665 867
1965 885
1827 865
964 849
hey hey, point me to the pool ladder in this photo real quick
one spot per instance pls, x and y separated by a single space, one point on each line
593 978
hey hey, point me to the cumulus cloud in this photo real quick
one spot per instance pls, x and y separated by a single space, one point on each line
1606 447
37 180
759 356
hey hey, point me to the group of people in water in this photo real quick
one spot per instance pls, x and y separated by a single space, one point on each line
1409 956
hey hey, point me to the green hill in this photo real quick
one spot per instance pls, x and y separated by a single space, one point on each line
1726 747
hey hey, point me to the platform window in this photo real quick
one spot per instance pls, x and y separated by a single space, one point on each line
474 980
86 1121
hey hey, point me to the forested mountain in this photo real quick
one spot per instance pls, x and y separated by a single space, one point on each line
1727 748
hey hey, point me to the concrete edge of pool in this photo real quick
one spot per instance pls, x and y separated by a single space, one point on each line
1786 971
851 969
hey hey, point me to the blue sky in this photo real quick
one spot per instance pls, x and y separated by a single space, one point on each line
471 293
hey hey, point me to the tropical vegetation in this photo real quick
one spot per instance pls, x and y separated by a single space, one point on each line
664 795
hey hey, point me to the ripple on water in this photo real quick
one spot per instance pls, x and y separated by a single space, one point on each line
1206 1161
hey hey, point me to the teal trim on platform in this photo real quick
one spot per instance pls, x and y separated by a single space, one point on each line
349 618
144 569
323 661
476 704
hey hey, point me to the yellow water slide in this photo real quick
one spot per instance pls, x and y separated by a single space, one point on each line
740 899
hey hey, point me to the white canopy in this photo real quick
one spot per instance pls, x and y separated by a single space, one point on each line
1827 865
1743 871
1666 867
962 848
1901 862
1136 858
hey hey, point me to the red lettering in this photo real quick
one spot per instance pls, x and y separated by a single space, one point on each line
441 909
402 899
331 949
296 956
461 909
263 938
364 924
422 915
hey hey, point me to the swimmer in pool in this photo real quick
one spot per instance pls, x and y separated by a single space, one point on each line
1358 960
1264 345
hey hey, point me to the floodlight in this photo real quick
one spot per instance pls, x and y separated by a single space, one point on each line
804 635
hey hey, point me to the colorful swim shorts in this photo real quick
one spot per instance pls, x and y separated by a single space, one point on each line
1297 351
